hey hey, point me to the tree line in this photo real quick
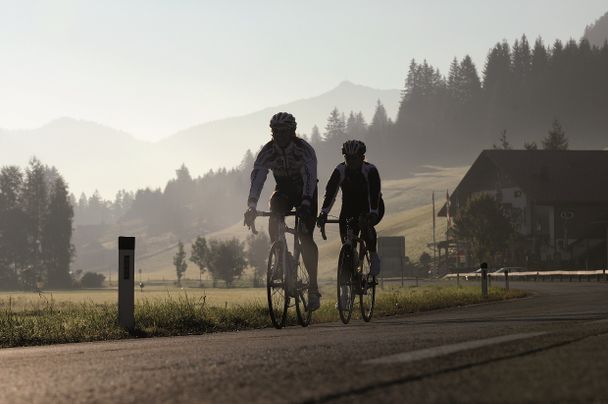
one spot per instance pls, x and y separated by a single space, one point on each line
224 259
36 216
523 91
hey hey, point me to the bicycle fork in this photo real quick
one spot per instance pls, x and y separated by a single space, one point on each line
288 264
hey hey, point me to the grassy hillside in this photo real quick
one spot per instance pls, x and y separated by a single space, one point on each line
408 213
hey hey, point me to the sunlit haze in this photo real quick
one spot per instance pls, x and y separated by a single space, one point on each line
152 68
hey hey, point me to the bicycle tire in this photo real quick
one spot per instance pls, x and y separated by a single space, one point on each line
345 283
303 311
276 286
367 297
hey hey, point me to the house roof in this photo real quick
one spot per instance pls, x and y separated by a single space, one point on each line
546 176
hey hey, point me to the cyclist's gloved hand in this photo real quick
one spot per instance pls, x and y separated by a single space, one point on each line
322 219
304 212
249 217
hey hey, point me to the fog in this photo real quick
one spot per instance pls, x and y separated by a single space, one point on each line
172 117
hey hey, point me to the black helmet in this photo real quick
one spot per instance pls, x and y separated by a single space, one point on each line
354 147
283 120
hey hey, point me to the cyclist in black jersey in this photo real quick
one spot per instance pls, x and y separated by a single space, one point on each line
361 197
294 165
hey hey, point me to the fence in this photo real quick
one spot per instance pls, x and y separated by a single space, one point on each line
542 276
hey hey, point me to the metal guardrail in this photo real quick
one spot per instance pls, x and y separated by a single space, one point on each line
599 275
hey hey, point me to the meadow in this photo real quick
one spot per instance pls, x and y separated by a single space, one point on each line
62 317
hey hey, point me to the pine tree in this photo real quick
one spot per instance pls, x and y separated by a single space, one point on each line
556 138
13 231
453 77
497 71
356 126
315 136
540 59
59 250
521 60
335 130
35 203
467 84
247 162
380 119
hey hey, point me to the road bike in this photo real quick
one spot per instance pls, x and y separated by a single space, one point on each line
286 276
354 276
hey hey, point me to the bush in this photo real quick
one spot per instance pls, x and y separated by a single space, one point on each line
92 280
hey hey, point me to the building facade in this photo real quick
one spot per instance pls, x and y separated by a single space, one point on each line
558 201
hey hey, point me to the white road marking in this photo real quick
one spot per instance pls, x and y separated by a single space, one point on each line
427 353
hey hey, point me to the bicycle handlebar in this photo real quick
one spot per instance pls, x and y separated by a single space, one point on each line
323 227
264 213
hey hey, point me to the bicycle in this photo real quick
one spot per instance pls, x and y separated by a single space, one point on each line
353 276
286 276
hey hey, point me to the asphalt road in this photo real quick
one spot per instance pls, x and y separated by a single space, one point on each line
550 347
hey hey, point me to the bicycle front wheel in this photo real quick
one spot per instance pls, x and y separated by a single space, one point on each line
345 283
302 286
367 298
276 285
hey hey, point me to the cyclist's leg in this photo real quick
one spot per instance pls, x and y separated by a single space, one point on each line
279 203
310 251
371 237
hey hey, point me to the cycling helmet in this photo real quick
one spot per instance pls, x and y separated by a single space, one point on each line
283 120
353 147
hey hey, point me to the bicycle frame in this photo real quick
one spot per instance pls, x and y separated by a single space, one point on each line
282 230
350 236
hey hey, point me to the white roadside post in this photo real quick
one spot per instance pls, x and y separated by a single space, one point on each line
126 282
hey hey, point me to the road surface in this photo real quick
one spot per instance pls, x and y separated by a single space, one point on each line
552 346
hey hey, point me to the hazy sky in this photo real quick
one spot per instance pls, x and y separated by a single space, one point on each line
154 67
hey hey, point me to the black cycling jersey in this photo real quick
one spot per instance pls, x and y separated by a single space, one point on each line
360 189
294 169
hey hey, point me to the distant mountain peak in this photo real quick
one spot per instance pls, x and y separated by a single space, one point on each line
347 83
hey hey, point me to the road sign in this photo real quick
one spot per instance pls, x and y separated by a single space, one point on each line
392 253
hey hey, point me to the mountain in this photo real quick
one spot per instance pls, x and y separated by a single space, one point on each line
92 156
198 146
597 33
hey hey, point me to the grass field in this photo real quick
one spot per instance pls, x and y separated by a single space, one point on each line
214 297
65 317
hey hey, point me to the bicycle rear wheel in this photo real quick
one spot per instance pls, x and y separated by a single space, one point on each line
367 298
302 286
345 283
276 285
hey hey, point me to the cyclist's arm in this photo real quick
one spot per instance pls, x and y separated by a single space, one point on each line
331 190
309 173
374 189
258 175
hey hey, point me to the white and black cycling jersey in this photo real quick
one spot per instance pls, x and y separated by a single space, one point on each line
360 189
293 167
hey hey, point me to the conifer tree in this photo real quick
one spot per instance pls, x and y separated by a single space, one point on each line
59 250
556 138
